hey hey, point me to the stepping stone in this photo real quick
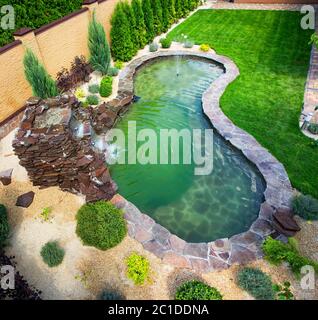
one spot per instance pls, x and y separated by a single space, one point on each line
25 200
284 222
5 177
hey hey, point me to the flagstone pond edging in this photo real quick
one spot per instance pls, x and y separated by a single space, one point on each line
222 253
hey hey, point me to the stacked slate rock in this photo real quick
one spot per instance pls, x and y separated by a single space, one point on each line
53 156
105 116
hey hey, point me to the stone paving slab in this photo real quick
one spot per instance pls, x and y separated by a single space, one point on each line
218 254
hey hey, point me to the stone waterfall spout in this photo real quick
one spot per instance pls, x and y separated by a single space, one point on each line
55 153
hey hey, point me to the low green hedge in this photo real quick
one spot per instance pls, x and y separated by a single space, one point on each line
4 226
100 225
256 283
29 13
197 290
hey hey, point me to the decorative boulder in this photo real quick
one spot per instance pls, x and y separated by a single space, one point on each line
25 200
5 177
284 222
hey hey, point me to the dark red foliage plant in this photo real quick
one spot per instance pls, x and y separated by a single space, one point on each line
78 73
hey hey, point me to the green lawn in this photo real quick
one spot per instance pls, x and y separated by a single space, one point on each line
272 53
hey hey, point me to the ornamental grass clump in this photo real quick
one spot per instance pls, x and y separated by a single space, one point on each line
197 290
93 88
4 226
138 268
305 206
98 47
42 84
52 254
113 72
100 225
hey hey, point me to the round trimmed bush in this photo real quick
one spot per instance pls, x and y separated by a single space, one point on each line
100 225
113 71
165 43
256 283
92 100
119 64
188 44
4 225
305 207
205 47
197 290
313 128
111 295
153 47
93 88
52 254
106 87
138 268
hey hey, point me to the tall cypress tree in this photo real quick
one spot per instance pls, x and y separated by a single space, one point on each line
157 16
165 15
98 46
140 23
172 11
122 46
127 9
146 7
193 4
42 84
178 8
185 7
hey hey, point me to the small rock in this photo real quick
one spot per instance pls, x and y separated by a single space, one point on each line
5 177
25 200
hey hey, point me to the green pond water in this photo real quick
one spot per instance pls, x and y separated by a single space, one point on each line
195 208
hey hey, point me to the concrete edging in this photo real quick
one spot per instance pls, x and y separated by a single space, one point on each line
222 253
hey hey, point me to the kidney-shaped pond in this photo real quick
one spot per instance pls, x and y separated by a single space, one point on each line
197 208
